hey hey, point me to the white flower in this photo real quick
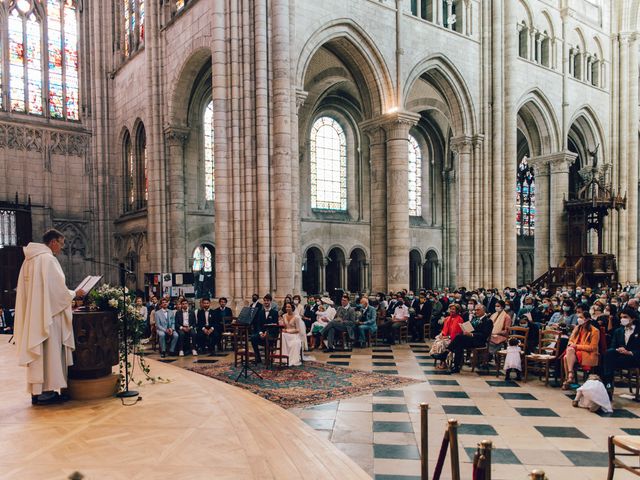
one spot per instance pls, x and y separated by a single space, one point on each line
113 303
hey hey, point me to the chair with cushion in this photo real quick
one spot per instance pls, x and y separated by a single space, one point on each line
628 443
546 356
477 353
522 334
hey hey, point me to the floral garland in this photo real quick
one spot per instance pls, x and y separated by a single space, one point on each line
108 298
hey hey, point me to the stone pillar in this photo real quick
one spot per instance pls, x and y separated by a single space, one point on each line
450 179
396 126
632 195
344 280
541 240
175 139
461 146
282 156
449 13
365 277
323 274
378 233
559 192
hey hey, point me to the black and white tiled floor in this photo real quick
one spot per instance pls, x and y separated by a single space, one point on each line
531 425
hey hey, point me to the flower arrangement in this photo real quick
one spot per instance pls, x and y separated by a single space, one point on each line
107 297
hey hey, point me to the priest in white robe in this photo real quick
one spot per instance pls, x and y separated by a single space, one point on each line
43 319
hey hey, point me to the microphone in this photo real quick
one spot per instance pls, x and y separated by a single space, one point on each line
112 265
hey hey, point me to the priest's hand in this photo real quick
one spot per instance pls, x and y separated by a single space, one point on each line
80 293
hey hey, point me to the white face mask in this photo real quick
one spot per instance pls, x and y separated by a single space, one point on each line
581 321
498 309
624 322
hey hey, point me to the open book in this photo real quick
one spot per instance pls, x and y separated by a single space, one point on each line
89 283
467 327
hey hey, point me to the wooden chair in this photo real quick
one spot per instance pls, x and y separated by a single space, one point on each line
476 353
273 349
547 355
522 334
241 345
632 376
426 331
228 336
628 443
343 341
403 334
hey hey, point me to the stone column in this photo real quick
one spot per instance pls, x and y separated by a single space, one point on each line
175 138
365 277
323 274
378 233
396 126
541 240
559 192
344 281
450 179
632 195
461 146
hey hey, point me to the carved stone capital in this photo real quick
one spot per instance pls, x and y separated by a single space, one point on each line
396 125
176 136
461 145
301 97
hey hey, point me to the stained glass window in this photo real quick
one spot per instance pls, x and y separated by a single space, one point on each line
209 165
8 230
415 178
25 59
133 28
180 4
30 45
525 200
130 174
202 259
328 165
141 162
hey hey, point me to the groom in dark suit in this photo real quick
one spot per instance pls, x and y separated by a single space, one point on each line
624 350
260 317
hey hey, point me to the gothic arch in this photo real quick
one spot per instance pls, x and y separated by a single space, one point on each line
527 11
551 28
358 52
540 123
184 83
442 75
584 125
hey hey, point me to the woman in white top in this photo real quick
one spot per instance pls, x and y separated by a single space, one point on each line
291 341
297 303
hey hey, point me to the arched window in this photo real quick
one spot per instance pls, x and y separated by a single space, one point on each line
328 165
43 33
577 64
525 200
545 53
523 40
141 164
133 28
129 174
415 178
202 259
595 72
62 31
209 164
25 58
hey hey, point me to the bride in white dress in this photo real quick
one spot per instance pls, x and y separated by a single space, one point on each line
291 342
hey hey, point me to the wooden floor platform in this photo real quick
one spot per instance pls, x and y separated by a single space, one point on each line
191 428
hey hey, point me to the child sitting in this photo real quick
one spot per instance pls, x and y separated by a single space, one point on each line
513 362
316 327
593 395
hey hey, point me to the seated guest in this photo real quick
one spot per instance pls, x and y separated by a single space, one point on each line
309 314
533 338
6 321
399 318
367 322
209 327
299 307
165 327
141 309
482 327
564 317
344 321
318 326
501 327
186 327
222 316
582 348
624 351
422 317
291 340
260 333
450 330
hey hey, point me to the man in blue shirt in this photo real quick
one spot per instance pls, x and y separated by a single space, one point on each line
367 322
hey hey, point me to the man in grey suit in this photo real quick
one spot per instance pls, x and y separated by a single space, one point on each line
165 326
345 320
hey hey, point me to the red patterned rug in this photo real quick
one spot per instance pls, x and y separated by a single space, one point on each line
309 384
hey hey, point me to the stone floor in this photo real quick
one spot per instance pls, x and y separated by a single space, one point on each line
531 425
